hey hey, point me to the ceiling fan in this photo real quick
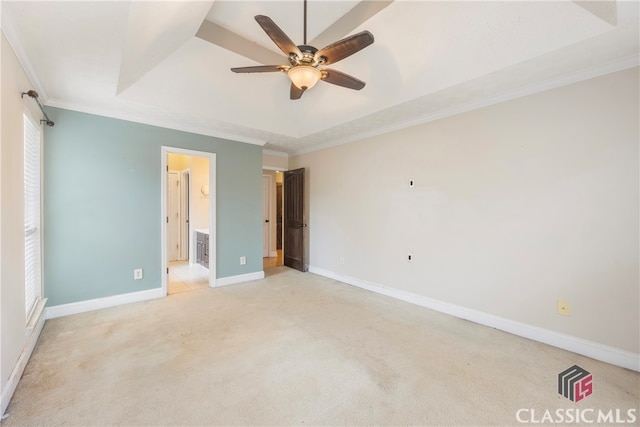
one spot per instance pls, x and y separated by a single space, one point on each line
304 60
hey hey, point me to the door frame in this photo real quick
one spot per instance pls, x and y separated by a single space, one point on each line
164 151
274 201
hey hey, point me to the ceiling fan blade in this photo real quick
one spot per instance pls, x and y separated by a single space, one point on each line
295 92
220 36
260 69
344 48
341 79
353 19
278 36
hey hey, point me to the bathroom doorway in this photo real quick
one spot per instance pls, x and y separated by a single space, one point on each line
188 216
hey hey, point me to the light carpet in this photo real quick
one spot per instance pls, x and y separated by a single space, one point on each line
296 349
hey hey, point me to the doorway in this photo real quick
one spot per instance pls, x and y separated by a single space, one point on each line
188 206
272 218
288 209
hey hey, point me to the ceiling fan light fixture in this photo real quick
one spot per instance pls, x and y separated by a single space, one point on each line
304 76
304 59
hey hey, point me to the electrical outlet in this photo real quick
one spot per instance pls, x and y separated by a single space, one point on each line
341 260
243 260
137 274
410 257
564 308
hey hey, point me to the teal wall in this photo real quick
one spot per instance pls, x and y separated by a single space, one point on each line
102 205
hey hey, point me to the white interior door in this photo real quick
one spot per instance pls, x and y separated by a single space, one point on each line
173 216
185 196
266 208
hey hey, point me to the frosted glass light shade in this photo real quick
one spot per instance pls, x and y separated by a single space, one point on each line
304 76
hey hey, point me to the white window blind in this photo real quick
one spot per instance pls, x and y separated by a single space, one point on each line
32 230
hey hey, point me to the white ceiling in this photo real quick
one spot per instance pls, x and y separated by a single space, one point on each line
148 61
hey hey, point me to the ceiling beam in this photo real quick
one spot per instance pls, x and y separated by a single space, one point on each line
357 16
154 31
605 10
220 36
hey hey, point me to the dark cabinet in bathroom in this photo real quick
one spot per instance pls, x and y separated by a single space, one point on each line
202 249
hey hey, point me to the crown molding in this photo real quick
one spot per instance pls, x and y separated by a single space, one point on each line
619 64
591 72
132 117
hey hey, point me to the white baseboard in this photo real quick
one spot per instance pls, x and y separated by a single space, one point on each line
33 331
232 280
604 353
99 303
112 301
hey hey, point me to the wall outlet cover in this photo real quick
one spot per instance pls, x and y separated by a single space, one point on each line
564 308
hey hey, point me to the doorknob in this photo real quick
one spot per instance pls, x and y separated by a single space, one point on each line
266 220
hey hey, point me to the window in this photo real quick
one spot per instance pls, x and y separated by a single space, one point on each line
32 230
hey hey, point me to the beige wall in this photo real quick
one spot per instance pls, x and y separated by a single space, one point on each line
14 335
275 161
515 206
178 162
199 201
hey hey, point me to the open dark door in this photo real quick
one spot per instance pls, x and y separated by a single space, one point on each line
294 224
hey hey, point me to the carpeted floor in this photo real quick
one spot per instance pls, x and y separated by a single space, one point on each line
297 349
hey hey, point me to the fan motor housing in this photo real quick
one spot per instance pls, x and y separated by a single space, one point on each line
308 55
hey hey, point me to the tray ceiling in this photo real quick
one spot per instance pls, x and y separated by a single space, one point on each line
167 63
